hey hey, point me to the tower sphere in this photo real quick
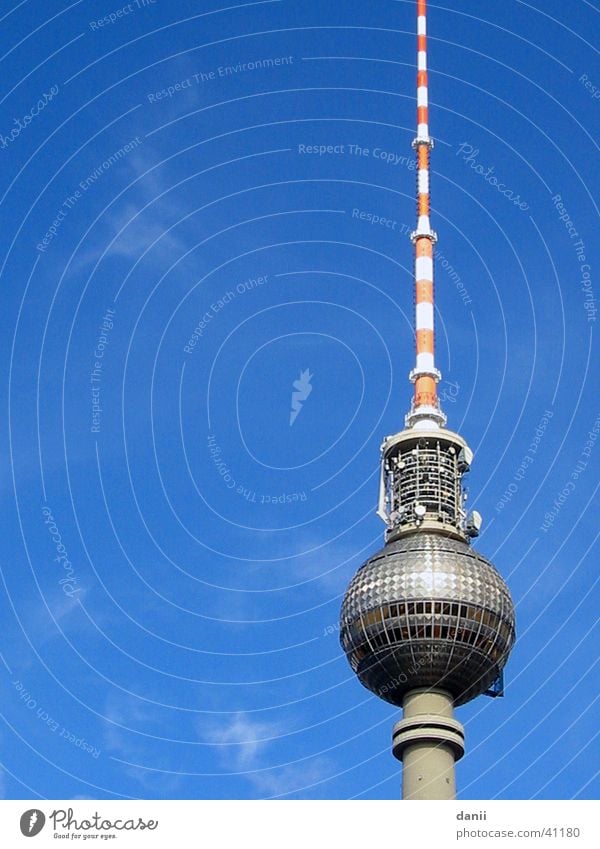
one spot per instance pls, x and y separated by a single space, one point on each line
427 611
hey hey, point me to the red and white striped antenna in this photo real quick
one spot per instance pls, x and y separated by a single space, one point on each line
425 410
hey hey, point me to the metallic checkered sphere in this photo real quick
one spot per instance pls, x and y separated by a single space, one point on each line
427 611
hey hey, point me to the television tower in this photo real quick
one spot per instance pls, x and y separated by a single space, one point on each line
427 623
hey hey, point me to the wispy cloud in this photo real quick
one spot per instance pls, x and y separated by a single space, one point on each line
244 740
122 709
142 217
303 778
247 746
41 630
330 567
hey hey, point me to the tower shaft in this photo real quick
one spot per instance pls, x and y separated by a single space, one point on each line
428 741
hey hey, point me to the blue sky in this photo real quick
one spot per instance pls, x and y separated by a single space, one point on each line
182 190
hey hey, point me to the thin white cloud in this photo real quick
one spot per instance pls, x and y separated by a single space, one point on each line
303 778
140 227
247 745
243 740
128 746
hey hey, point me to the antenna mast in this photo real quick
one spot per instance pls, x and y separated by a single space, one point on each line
425 410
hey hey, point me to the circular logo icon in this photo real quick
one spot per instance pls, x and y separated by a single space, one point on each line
32 822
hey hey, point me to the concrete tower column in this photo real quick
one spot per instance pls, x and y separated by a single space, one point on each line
428 741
